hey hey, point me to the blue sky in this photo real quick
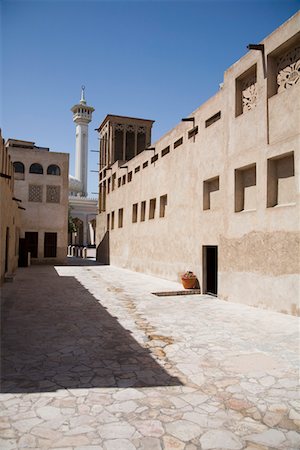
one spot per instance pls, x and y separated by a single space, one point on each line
153 59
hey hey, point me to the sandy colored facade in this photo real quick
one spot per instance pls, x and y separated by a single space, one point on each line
41 183
218 194
9 216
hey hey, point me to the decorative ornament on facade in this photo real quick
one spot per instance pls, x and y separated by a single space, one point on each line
53 194
141 130
119 127
288 69
35 193
130 128
249 92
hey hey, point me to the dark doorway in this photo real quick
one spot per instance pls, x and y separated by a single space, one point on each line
6 249
23 252
50 245
210 269
32 242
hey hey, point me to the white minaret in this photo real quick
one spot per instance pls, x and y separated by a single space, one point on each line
82 115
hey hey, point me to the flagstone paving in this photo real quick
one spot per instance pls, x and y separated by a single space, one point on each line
92 360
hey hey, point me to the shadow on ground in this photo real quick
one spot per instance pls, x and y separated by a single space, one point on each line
56 335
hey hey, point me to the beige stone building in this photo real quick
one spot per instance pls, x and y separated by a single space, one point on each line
9 216
41 183
219 193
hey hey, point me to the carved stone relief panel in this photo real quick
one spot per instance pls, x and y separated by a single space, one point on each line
35 193
53 194
249 92
288 69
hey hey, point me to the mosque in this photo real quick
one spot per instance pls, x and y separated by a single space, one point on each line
82 209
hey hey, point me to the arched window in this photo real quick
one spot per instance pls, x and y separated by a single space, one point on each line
53 170
18 167
36 168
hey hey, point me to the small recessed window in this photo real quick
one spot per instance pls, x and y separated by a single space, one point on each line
210 193
154 158
143 211
245 188
36 168
129 177
152 208
178 142
124 179
137 169
120 218
53 169
134 213
162 205
193 132
165 151
108 222
145 164
281 183
213 119
119 181
112 220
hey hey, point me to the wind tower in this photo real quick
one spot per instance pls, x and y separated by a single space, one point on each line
82 116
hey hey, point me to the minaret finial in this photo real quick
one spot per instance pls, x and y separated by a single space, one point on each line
82 100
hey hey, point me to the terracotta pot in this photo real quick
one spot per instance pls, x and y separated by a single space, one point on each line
188 283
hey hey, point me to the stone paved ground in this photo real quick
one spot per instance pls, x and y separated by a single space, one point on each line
92 360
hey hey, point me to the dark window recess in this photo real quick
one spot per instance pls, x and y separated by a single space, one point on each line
213 119
129 177
165 151
36 168
137 169
53 169
119 181
124 179
50 245
32 243
18 167
141 142
154 158
145 164
178 142
118 145
193 132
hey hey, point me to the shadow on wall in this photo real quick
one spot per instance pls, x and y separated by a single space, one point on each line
102 251
61 337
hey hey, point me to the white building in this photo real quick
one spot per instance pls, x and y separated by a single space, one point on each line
83 210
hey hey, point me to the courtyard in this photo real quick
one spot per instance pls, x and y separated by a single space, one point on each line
91 359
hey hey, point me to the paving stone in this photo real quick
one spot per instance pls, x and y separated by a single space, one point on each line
220 439
68 441
183 430
27 440
26 425
7 444
124 407
272 438
120 430
150 443
150 428
171 443
118 444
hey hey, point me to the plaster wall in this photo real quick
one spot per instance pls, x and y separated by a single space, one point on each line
9 217
43 216
258 246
